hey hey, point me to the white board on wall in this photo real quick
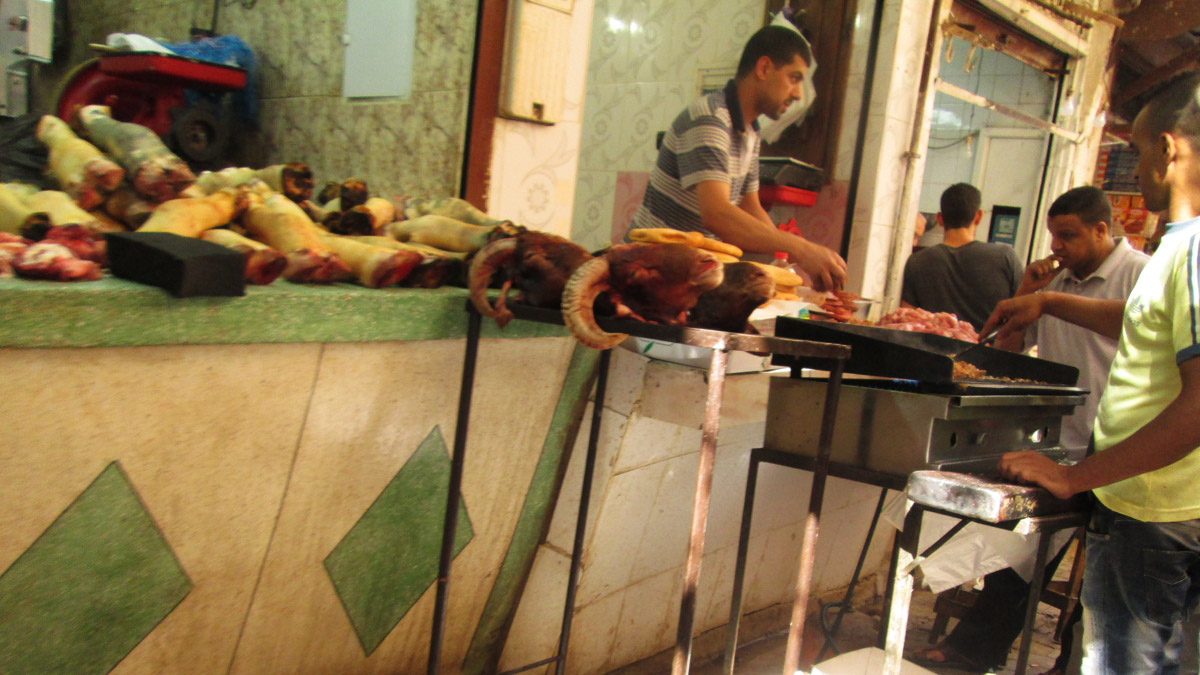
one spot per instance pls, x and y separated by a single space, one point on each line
380 38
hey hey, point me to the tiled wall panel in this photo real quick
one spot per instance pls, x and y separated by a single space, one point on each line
411 146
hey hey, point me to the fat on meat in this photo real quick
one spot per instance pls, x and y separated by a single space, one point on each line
55 262
6 264
82 242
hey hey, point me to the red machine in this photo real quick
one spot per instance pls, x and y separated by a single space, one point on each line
148 88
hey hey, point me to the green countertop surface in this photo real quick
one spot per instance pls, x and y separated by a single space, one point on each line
113 312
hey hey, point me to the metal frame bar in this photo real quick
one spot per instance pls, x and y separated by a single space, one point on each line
454 492
721 343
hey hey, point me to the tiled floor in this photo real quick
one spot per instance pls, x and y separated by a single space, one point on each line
765 657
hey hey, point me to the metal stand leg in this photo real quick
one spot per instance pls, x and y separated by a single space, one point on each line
454 493
808 545
1035 594
585 493
862 558
681 663
739 571
902 586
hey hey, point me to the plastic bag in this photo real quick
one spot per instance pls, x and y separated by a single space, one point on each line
22 155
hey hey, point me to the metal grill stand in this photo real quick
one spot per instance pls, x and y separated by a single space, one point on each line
834 356
1036 513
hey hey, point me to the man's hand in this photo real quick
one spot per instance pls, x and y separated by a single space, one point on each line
826 268
1014 315
1038 275
1028 466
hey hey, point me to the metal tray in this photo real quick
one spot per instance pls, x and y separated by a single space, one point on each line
923 357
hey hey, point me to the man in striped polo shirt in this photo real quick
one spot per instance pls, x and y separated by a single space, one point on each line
706 176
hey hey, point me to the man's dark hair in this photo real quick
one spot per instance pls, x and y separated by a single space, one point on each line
1176 108
777 42
960 203
1088 203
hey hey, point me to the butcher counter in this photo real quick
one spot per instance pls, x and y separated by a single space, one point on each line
215 484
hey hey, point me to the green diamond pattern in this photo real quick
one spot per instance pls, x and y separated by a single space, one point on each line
387 560
91 587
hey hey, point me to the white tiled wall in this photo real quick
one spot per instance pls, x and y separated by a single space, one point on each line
642 70
956 126
629 595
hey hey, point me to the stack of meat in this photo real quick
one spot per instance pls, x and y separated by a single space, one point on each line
117 176
841 305
922 321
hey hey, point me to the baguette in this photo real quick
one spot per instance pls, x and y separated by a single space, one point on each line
666 235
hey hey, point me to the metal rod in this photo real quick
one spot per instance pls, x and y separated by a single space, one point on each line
453 493
958 527
861 134
1035 594
530 666
812 522
862 557
739 569
889 588
897 608
585 493
681 663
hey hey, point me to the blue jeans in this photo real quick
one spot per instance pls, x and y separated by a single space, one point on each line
1141 581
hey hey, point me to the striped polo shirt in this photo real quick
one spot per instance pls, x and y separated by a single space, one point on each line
709 140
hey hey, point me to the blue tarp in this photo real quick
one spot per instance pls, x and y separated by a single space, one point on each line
229 50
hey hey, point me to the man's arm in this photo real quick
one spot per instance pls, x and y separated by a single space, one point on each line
753 234
1101 316
1037 276
1169 437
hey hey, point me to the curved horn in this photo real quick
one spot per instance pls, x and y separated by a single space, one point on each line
485 263
578 299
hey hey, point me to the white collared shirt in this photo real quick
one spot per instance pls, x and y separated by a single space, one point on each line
1073 345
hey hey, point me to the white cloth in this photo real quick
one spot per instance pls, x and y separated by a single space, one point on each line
135 43
977 550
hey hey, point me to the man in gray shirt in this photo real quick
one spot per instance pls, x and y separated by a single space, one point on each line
960 275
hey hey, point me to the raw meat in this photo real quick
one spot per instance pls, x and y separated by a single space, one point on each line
922 321
53 261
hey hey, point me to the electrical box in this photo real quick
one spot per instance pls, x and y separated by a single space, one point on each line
26 34
535 61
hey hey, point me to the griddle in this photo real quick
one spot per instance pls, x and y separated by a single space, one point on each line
925 359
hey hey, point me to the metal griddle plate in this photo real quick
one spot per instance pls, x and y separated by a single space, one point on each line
983 498
924 357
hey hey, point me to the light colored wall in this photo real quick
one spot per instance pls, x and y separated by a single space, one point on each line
643 69
532 180
994 76
411 146
629 594
254 461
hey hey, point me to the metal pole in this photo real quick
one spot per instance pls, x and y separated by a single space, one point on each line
453 493
681 663
739 570
862 557
902 584
808 544
585 493
1035 594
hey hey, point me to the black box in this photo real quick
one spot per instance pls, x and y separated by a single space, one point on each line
182 265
